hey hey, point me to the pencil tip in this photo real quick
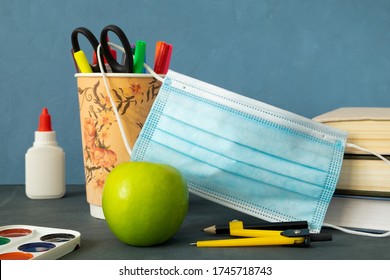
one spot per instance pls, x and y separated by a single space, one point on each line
193 244
211 229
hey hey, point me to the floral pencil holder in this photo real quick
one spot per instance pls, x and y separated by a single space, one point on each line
102 144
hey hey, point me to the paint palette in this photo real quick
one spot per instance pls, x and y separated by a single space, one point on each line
23 242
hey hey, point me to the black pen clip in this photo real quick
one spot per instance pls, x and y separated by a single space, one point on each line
307 235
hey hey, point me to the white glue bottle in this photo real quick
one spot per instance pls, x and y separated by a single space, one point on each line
45 163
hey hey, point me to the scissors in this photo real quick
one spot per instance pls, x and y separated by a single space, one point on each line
126 67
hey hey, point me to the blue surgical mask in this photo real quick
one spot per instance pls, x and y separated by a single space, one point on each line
242 153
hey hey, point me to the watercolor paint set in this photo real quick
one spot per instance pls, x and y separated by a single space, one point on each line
25 242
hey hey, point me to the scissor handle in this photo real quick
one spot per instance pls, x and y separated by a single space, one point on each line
92 40
116 67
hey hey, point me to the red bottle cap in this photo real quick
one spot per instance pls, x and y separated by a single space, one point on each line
44 121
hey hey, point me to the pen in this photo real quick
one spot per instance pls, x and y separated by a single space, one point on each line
160 53
244 242
167 59
139 56
82 62
216 229
163 58
157 53
74 60
112 51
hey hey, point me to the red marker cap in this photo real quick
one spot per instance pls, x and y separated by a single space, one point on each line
94 57
44 121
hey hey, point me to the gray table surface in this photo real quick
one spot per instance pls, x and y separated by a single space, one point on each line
97 241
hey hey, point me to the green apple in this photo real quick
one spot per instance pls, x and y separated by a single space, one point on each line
144 203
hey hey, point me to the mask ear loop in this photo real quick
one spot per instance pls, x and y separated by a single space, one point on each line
354 232
350 145
106 84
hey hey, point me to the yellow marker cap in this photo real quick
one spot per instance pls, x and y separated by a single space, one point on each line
82 62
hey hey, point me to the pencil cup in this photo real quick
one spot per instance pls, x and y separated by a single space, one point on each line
102 144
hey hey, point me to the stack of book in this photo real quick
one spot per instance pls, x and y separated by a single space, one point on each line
362 196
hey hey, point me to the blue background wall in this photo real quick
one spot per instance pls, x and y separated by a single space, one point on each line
304 56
